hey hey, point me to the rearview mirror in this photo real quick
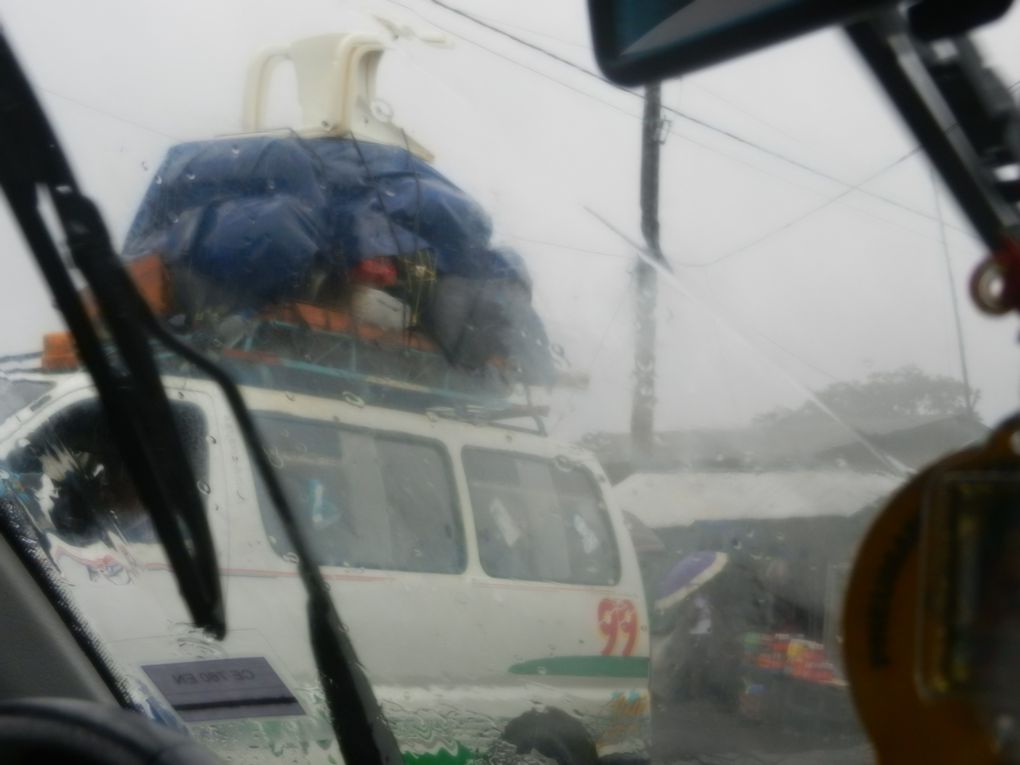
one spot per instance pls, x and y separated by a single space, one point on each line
638 41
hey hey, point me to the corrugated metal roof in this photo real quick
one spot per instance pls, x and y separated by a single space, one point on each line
662 500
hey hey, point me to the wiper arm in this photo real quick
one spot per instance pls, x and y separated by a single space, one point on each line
961 113
30 157
131 391
358 720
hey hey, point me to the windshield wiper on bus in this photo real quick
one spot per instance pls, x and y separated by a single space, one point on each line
135 402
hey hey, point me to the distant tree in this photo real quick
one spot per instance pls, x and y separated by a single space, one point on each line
904 392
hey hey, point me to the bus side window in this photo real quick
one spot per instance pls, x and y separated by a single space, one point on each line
369 500
540 521
426 525
80 476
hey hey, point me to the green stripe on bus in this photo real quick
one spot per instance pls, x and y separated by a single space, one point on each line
462 756
585 666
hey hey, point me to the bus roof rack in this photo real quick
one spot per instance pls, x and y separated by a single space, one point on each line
286 355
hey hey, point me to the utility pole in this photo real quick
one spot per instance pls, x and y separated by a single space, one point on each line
642 418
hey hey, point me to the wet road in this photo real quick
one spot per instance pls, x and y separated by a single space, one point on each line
697 732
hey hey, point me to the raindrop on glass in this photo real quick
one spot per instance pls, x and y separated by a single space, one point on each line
353 399
274 458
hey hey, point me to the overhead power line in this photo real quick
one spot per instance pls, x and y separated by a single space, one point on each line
108 114
586 46
736 137
803 216
528 44
574 248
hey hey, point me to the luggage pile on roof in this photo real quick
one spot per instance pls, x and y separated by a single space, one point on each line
248 226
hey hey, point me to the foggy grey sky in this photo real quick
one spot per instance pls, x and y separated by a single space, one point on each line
785 280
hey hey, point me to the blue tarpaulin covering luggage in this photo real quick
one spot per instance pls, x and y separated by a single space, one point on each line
258 216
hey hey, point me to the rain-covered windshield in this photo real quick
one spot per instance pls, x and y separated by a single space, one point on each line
574 492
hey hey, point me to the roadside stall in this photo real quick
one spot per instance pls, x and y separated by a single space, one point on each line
747 586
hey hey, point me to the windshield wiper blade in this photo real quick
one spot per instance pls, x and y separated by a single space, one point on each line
31 157
129 387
